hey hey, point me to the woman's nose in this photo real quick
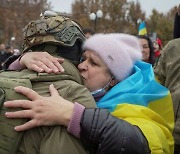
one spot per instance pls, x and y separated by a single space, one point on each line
83 65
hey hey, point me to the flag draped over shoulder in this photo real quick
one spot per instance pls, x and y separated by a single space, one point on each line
143 102
142 29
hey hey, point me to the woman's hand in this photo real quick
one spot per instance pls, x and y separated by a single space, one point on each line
41 62
43 111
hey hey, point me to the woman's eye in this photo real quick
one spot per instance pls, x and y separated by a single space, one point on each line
145 47
93 63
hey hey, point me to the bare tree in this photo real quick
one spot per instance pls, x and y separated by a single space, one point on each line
135 14
15 14
115 10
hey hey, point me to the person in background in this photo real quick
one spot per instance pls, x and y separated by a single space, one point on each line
88 32
147 49
126 87
9 52
6 52
2 53
176 31
157 44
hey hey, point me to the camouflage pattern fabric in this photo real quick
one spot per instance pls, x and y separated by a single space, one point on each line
167 72
54 30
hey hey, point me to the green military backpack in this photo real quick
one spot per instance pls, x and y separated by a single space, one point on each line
9 138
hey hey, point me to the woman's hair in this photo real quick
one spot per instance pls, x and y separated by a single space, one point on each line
151 57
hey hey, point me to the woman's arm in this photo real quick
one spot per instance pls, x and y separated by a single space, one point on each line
97 128
103 133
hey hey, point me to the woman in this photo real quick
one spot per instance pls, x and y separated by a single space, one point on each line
147 49
119 82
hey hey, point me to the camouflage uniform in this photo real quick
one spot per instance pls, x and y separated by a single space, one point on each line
167 72
48 34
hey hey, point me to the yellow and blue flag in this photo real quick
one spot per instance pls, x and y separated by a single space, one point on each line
142 29
143 102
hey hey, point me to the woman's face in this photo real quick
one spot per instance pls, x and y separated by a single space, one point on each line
156 46
145 49
93 71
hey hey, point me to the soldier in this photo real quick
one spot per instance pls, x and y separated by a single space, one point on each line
61 37
167 72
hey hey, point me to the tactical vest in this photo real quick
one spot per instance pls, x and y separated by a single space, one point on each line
10 139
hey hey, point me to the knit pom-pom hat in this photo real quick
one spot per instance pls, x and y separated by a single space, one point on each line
118 51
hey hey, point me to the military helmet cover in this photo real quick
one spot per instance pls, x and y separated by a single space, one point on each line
52 28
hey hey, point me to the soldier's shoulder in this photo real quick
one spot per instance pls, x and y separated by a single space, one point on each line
174 42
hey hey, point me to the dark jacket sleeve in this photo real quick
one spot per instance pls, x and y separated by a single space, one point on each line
104 134
176 32
9 61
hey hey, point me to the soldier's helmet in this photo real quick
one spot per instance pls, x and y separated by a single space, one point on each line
53 29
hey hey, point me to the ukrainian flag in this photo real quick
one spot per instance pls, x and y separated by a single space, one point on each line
142 29
143 102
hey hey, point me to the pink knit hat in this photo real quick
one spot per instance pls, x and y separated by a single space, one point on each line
118 51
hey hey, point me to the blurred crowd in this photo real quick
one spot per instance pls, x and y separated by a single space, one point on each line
7 51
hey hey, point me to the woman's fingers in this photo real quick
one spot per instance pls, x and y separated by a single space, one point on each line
28 125
36 68
54 65
53 91
42 62
20 114
18 103
58 64
52 62
60 60
38 65
29 93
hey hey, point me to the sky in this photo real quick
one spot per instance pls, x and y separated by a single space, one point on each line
146 5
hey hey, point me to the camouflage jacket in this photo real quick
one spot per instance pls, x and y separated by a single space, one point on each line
167 72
